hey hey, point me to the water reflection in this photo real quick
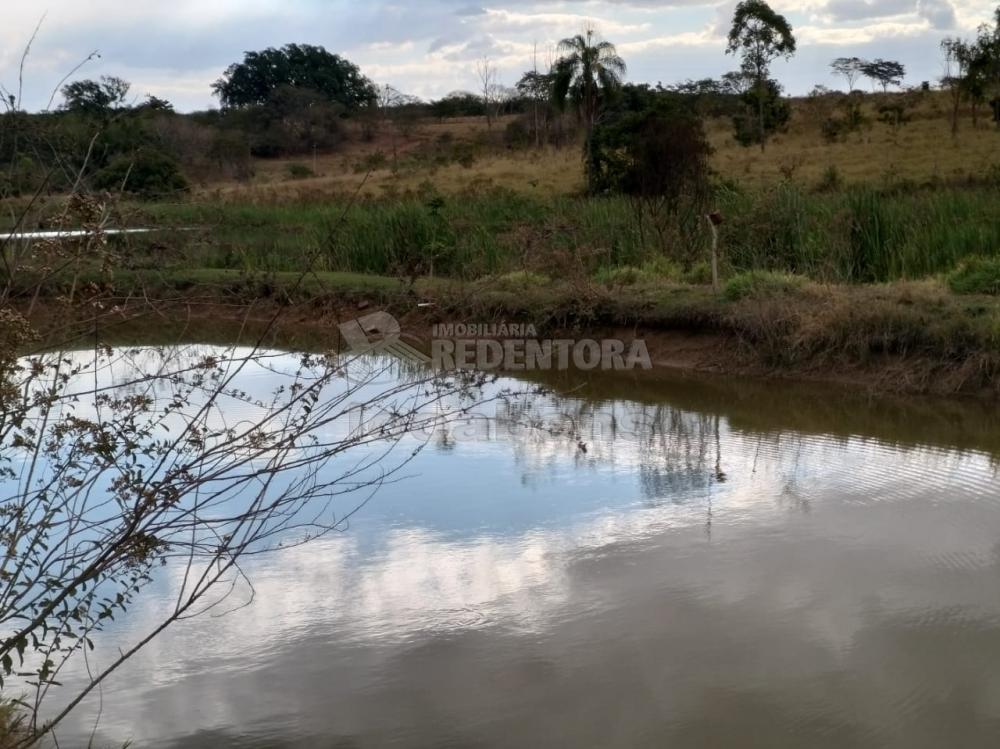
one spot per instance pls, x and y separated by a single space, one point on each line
616 568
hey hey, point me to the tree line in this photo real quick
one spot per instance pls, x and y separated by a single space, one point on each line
973 71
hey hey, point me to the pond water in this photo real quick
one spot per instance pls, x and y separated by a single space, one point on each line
710 564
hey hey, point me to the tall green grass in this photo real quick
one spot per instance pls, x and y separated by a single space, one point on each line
464 236
859 235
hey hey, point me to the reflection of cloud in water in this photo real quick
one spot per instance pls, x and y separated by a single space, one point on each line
769 612
586 601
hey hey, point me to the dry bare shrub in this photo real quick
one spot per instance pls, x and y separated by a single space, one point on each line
188 141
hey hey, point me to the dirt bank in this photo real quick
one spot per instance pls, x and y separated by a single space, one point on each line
903 337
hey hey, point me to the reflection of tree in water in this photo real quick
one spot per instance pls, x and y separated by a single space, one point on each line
677 454
682 450
793 494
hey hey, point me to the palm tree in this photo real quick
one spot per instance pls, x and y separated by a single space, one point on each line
589 70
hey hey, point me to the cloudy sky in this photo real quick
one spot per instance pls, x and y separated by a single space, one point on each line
429 47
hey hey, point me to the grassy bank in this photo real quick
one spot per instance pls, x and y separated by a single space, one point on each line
854 235
867 267
904 336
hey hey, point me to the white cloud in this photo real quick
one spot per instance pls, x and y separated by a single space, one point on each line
940 13
557 24
859 35
706 37
853 10
428 48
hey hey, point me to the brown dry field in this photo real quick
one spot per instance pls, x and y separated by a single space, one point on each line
921 150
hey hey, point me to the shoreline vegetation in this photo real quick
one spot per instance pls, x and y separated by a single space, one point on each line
901 337
698 369
882 287
858 243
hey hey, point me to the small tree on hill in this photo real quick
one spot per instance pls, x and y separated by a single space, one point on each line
536 88
884 73
156 104
486 72
850 69
96 97
959 57
761 36
972 71
659 158
982 80
390 108
766 112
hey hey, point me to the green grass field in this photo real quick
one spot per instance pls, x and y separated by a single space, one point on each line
856 234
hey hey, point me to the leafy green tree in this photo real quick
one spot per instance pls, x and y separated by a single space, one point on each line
770 114
96 97
458 104
659 159
975 83
850 69
304 66
535 85
884 73
983 77
589 72
156 104
973 71
148 173
534 90
761 36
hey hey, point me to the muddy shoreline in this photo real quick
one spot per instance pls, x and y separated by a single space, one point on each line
686 346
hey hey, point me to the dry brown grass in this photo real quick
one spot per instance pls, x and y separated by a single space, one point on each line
912 336
921 150
550 172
